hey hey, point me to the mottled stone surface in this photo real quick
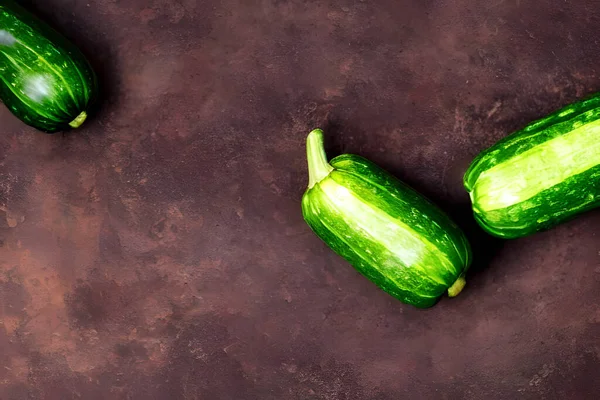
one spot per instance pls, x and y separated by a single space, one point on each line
159 252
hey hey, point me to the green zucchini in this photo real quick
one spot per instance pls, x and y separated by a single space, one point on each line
542 175
389 232
44 79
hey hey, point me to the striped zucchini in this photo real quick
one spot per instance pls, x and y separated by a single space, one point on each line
542 175
390 233
44 79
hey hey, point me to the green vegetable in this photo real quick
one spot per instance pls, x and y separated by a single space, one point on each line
541 175
44 79
390 233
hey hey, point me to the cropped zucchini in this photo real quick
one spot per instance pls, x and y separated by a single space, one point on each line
390 233
542 175
44 79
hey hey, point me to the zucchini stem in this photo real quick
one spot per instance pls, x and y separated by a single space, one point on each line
457 287
318 167
76 123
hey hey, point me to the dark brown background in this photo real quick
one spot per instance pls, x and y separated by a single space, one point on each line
160 253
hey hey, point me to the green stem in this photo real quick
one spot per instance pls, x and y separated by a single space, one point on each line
457 287
76 123
318 167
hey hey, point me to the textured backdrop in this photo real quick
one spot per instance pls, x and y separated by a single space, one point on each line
160 253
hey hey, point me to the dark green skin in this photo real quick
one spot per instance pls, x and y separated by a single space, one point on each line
550 207
382 191
29 48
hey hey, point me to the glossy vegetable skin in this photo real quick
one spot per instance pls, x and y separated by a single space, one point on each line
44 79
541 175
390 233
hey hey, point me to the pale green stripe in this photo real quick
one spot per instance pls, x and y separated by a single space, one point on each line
395 196
19 65
83 83
365 257
399 238
62 78
25 100
539 168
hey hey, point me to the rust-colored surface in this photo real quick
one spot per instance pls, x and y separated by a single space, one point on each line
159 252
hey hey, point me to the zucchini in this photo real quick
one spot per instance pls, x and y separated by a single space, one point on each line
390 233
44 79
541 175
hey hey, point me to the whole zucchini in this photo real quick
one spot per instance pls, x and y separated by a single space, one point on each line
541 175
44 79
390 233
